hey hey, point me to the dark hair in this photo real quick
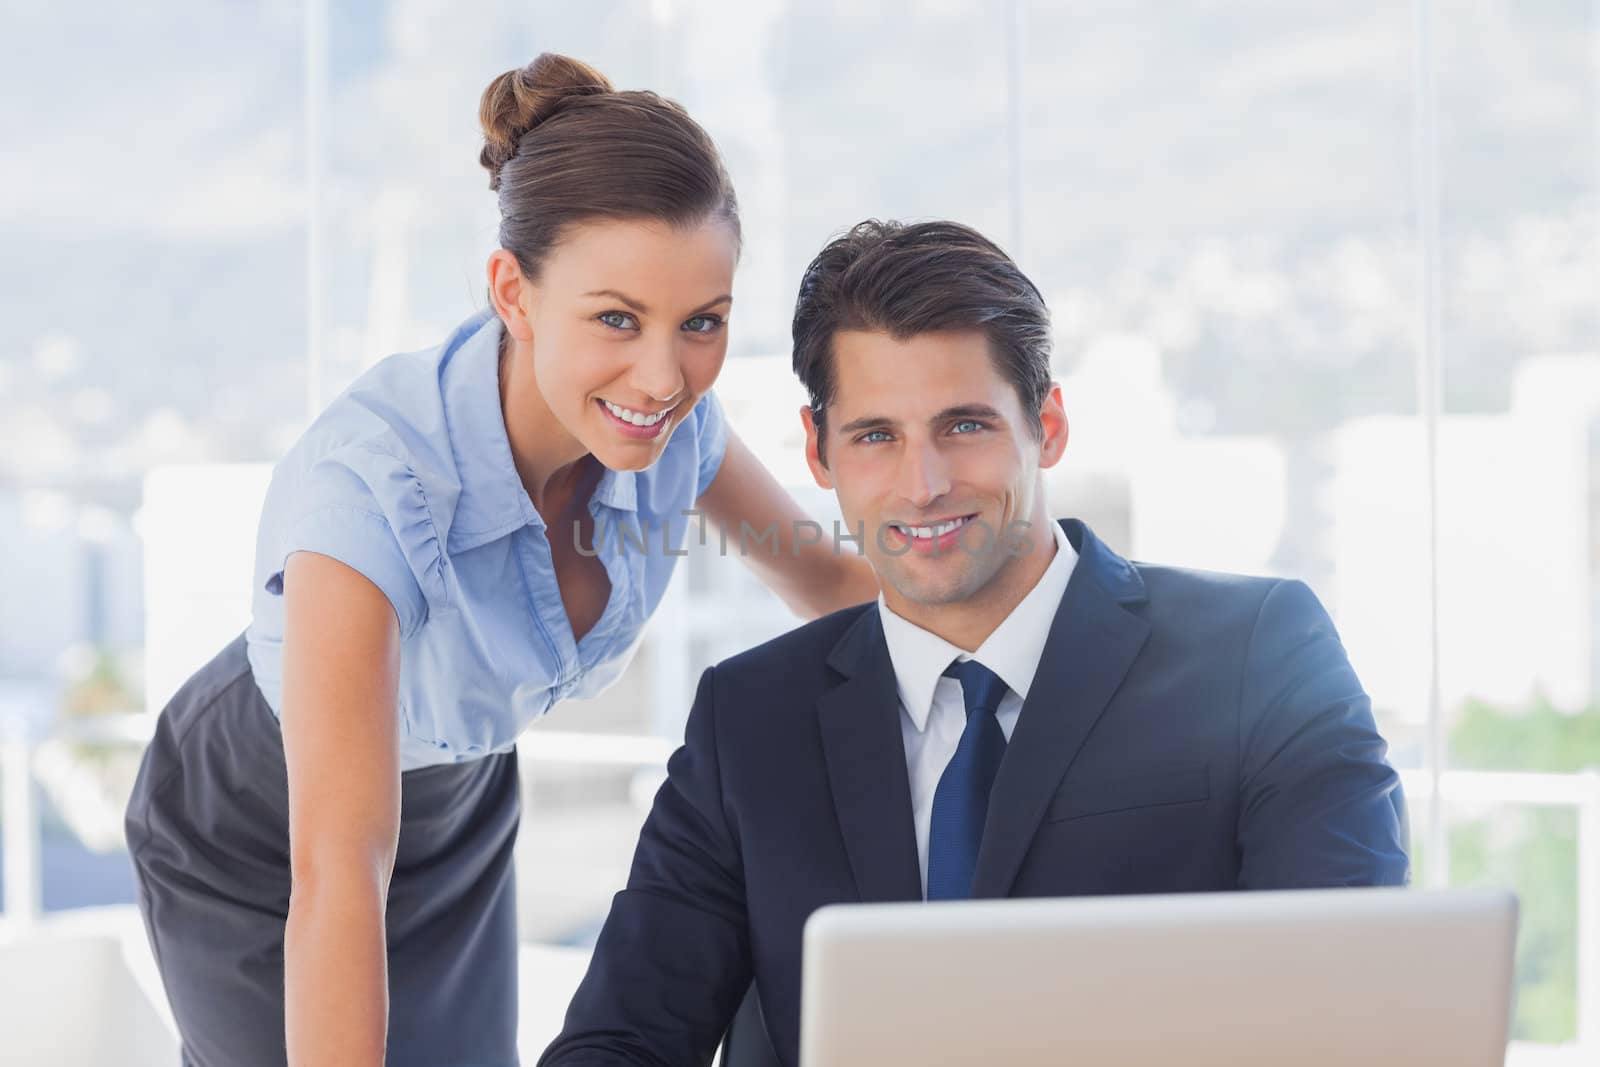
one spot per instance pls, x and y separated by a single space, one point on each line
562 146
906 279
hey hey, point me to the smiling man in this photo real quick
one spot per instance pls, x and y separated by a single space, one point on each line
1022 712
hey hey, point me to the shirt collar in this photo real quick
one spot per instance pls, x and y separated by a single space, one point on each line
919 657
617 489
1012 651
493 501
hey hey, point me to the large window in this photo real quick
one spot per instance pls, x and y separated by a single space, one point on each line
1325 280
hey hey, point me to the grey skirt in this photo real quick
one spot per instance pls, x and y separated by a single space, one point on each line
207 830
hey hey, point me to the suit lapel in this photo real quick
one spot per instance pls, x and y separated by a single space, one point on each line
1093 641
866 762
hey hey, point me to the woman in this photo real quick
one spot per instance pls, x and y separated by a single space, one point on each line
323 824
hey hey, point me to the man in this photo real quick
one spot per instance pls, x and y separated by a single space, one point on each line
1022 712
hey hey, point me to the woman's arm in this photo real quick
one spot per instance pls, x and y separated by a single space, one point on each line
803 568
341 666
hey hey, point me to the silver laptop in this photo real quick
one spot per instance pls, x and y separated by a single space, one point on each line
1376 977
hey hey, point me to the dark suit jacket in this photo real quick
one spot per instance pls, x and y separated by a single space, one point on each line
1185 731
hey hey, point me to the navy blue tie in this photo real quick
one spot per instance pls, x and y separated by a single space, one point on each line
961 801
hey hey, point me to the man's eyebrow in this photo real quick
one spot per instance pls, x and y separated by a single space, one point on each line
635 305
966 411
884 422
873 422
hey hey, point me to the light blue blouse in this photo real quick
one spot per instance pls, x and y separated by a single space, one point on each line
407 477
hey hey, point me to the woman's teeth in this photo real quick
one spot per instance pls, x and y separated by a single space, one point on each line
638 418
928 533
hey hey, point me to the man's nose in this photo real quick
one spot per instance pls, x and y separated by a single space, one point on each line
924 475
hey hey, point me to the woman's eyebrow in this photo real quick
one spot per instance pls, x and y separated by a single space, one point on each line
709 304
635 305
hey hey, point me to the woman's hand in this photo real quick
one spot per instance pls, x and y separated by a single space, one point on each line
804 568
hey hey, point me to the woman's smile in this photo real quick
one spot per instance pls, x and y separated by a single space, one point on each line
638 425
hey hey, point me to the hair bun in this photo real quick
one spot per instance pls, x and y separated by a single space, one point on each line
518 100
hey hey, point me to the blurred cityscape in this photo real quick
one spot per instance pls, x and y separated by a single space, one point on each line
1217 200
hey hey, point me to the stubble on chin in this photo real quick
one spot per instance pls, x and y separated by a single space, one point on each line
932 592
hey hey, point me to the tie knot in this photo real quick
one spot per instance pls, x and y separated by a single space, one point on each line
980 687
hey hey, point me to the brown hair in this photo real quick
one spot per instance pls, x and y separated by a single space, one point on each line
909 279
562 146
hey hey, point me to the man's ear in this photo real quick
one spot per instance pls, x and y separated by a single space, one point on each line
819 469
508 292
1053 421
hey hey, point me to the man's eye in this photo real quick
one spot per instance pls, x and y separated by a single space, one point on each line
971 424
617 320
704 324
874 436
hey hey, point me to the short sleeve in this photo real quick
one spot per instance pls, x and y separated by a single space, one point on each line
711 437
365 510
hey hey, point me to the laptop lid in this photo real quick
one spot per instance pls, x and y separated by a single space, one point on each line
1371 976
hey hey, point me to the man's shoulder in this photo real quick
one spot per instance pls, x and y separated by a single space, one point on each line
1226 602
799 653
1164 586
1161 578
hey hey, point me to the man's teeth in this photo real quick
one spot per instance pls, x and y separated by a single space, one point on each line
638 418
930 532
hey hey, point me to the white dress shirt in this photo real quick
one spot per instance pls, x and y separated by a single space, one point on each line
932 711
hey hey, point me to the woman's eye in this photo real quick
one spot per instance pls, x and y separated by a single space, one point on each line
617 320
703 324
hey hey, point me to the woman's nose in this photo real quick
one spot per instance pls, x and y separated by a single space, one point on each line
658 375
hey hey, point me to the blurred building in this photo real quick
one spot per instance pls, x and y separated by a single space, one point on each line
71 574
1516 546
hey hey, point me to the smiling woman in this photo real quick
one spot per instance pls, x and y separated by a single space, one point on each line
322 828
630 317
